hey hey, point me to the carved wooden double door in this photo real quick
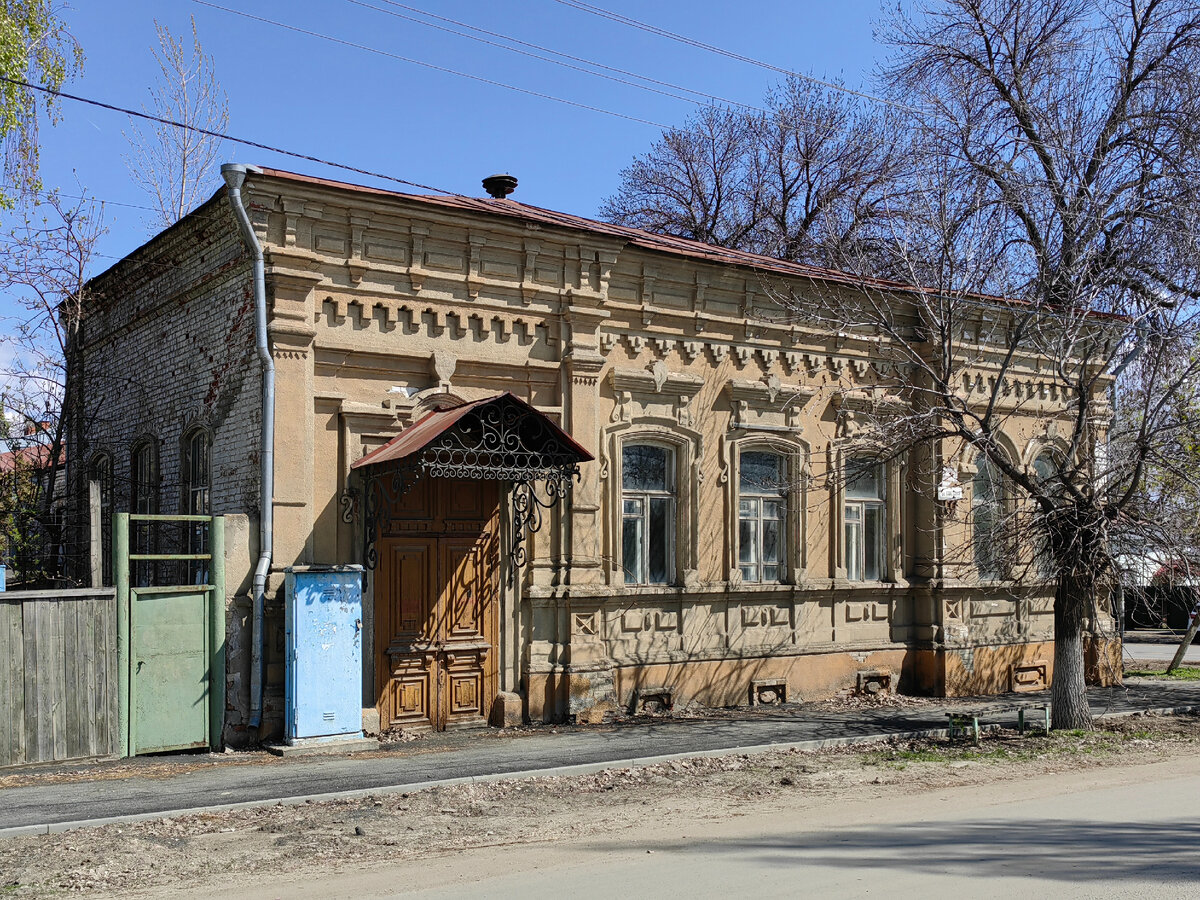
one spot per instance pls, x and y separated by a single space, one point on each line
437 606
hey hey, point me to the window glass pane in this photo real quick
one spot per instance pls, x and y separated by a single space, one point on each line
986 511
749 574
633 506
762 473
645 468
1044 468
853 546
872 542
659 562
864 480
772 509
747 542
771 573
770 541
631 550
748 509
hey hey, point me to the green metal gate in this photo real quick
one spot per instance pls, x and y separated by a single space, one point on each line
170 645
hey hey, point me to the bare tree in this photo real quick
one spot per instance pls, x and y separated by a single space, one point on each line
44 269
1050 243
174 164
807 178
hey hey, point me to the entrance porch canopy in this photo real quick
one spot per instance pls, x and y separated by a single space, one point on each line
500 437
497 438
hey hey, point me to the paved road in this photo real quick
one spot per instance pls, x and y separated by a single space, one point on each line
1119 832
1163 652
160 785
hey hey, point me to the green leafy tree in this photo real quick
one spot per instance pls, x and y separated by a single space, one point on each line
35 48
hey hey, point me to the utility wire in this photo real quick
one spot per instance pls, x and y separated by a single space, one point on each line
705 95
729 54
428 65
220 134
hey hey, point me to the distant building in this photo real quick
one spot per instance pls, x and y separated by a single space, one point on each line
710 549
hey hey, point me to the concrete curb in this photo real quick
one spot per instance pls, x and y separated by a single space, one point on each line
549 772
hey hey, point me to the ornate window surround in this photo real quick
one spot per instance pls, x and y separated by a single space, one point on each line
893 473
848 406
795 452
966 476
688 447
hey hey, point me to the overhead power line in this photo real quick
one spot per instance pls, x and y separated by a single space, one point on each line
417 62
705 96
246 142
720 51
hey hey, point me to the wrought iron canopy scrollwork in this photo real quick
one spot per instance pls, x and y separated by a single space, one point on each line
502 438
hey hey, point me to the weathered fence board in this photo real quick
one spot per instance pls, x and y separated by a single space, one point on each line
58 658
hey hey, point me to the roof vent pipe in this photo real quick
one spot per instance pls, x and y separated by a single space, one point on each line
499 186
235 176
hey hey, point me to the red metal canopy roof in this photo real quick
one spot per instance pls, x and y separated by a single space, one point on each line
418 436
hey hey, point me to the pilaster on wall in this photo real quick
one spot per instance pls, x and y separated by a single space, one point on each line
583 363
290 335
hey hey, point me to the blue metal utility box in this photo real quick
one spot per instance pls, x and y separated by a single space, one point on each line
323 622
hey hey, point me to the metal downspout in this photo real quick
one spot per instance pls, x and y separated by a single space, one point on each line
235 176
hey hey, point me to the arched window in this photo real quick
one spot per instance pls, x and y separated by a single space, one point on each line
762 516
144 472
143 469
648 514
987 516
197 496
197 483
1046 473
100 515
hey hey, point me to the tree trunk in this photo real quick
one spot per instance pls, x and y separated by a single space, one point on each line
1193 625
1068 691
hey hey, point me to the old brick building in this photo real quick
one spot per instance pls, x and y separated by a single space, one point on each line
710 548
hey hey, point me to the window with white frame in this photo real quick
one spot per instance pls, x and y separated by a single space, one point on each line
865 518
648 514
762 516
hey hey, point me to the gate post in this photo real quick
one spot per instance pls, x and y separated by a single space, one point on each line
216 624
120 551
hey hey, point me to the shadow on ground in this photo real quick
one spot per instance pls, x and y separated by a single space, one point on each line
1054 849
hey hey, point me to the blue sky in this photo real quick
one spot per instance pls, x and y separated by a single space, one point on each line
306 94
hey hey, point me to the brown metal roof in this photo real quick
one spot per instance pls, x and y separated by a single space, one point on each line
661 243
420 434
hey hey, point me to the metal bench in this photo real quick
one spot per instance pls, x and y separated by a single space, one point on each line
966 724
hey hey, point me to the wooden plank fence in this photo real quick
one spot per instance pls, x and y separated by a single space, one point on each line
58 675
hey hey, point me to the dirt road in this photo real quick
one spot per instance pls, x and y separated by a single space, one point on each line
1073 815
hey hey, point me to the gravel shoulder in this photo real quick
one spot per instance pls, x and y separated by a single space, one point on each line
251 846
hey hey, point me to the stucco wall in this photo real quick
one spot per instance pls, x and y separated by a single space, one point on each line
382 307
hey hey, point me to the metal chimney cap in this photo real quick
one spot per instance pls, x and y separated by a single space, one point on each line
499 186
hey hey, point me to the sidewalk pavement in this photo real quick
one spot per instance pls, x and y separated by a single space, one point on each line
64 797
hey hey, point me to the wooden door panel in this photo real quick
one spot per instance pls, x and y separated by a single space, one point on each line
466 505
437 607
411 575
464 589
411 693
405 582
464 689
